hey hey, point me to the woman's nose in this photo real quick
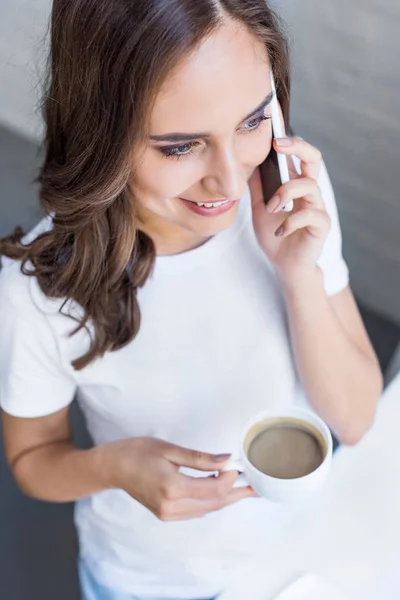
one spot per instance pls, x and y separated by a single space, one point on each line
225 177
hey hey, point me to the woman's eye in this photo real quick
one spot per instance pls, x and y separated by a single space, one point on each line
255 122
178 151
186 149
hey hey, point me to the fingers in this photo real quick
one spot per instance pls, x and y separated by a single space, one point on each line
191 509
207 488
310 156
238 494
235 495
305 188
202 461
183 497
299 187
316 222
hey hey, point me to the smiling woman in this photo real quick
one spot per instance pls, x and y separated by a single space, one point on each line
98 179
214 165
163 292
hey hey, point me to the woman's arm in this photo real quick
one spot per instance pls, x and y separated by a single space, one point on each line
337 364
45 462
47 466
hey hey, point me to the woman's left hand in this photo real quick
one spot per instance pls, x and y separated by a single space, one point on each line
292 241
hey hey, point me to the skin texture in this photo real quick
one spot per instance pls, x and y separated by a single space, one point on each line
212 91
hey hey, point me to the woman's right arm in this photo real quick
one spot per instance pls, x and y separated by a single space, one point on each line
45 462
48 466
36 380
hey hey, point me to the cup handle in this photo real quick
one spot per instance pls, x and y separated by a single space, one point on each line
236 464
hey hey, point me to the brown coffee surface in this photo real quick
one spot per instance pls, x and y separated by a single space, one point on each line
286 452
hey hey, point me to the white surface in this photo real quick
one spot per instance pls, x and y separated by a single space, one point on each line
311 587
350 532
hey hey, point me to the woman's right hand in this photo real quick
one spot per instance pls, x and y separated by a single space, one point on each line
148 470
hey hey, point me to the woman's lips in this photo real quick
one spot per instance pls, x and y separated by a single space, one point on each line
208 212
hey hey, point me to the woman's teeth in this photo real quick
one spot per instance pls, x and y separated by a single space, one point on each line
212 204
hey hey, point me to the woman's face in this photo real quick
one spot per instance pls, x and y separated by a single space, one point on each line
207 135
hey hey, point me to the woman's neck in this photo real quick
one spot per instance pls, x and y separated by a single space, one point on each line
169 238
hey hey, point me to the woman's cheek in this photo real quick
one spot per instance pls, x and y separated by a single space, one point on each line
177 176
255 148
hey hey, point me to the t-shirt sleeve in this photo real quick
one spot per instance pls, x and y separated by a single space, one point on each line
331 261
34 382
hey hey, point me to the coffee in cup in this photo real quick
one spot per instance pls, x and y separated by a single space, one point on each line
285 447
284 454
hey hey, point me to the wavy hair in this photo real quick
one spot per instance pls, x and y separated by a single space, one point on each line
107 60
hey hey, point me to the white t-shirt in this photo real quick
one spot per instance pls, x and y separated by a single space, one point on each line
213 349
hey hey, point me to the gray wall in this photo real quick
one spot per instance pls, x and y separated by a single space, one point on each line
23 25
346 101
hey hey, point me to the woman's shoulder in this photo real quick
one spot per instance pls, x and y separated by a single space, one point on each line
18 290
45 224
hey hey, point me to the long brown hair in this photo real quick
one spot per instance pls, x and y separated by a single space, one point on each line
107 61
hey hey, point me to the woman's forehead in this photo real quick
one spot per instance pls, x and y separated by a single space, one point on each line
224 78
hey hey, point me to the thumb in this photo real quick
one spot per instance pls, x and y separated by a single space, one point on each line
183 457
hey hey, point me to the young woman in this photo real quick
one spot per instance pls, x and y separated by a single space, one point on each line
163 292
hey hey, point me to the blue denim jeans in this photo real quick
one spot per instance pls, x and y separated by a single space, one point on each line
92 590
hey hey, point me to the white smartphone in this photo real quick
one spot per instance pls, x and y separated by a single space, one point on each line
279 132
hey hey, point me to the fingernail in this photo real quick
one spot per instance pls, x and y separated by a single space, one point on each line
284 141
273 203
279 231
221 457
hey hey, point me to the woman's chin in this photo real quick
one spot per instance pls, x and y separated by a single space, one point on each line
210 225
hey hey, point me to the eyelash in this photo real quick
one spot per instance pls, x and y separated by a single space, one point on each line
170 151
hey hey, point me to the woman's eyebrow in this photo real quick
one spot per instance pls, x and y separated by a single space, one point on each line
187 137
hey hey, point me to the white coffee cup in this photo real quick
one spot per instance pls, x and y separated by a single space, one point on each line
272 488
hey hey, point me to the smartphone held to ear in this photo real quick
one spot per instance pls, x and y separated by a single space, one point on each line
278 131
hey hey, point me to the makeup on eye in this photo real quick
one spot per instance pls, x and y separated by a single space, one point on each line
188 137
182 150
